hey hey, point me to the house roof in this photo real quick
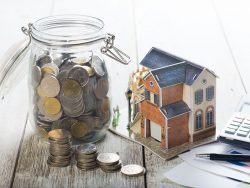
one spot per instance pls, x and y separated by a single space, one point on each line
175 109
169 69
157 58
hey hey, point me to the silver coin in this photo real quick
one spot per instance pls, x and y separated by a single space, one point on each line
36 76
97 65
86 149
112 167
44 59
132 170
102 88
62 76
50 86
108 158
79 74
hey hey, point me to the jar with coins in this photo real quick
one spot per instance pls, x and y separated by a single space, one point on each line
68 79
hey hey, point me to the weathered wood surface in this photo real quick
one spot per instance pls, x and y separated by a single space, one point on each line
170 25
33 171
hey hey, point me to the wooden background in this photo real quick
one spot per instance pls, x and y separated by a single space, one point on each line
214 34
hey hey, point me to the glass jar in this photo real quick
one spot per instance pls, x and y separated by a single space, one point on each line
68 79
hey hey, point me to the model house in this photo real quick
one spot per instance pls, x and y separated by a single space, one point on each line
179 102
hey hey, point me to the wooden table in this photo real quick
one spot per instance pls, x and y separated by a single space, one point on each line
201 31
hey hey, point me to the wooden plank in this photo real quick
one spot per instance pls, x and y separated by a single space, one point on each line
14 107
188 29
12 124
33 171
235 17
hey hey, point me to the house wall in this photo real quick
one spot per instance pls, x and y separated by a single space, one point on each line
172 94
178 132
146 82
198 84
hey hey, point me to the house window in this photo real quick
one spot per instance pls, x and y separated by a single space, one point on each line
210 93
210 117
199 96
198 120
147 95
151 84
152 97
156 99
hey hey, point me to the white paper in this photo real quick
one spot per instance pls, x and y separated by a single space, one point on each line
211 166
190 176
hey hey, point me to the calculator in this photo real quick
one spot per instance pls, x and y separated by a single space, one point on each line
237 129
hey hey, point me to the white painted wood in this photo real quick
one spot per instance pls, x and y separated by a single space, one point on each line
118 19
155 130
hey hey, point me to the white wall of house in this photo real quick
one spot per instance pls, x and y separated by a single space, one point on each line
197 85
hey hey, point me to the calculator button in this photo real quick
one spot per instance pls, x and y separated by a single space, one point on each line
244 129
237 120
233 127
242 133
235 123
230 131
246 126
239 117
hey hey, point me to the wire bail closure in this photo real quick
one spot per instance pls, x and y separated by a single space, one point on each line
113 52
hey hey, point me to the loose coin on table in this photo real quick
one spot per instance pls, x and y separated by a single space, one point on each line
109 162
133 170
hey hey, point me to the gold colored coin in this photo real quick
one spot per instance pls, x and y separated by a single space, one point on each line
48 70
71 88
81 60
59 134
79 129
52 106
90 70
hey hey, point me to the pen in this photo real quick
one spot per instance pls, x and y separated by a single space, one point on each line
224 157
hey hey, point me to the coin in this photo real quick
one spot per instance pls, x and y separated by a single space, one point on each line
71 88
86 149
108 158
80 74
87 157
59 134
44 59
64 123
40 92
81 60
79 129
102 88
97 65
54 117
50 86
132 170
62 76
36 76
50 68
52 106
112 167
90 70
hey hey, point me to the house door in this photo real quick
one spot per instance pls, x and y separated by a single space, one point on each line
155 130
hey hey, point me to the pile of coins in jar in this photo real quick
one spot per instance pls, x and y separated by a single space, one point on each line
87 156
71 94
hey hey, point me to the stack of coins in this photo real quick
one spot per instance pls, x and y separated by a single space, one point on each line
133 170
71 93
60 148
109 162
86 157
